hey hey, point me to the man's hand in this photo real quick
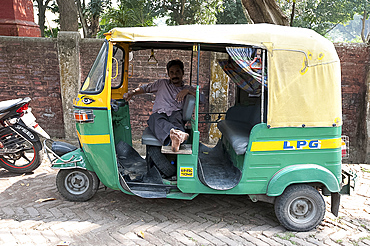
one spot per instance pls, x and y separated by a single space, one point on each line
181 95
127 96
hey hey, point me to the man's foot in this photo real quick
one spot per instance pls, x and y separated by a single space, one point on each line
177 138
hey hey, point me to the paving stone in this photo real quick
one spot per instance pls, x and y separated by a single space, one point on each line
211 238
300 241
253 240
195 237
268 240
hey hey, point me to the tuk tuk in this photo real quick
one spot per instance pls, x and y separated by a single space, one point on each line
281 140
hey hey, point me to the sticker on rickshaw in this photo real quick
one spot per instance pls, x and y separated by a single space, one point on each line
186 172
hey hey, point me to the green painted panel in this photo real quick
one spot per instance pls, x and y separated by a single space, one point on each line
102 157
259 167
302 174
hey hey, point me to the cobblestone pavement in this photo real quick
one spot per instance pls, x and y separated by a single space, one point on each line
114 218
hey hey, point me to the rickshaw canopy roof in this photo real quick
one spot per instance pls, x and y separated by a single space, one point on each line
303 67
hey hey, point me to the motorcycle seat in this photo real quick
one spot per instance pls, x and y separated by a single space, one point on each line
8 104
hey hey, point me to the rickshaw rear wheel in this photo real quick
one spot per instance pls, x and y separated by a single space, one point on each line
300 208
77 185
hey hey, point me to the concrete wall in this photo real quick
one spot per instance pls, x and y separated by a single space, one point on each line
30 67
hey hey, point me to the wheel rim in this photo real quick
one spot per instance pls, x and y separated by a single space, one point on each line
302 210
76 183
21 159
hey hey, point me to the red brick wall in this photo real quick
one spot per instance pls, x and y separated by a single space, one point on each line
29 68
354 60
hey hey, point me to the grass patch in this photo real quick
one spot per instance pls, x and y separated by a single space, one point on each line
365 170
286 236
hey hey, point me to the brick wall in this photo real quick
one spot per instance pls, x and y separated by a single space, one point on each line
29 67
354 65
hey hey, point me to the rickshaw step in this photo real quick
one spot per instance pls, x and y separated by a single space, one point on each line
185 149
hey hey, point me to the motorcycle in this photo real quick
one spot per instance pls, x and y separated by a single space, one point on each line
20 145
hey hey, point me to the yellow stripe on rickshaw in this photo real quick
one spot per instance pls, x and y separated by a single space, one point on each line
95 139
297 144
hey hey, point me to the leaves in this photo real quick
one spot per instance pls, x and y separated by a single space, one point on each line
128 14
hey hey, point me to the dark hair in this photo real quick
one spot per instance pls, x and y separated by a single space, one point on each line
174 63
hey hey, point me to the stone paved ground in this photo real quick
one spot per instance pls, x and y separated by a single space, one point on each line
113 218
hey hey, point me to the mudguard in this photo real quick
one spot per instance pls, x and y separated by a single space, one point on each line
73 159
303 173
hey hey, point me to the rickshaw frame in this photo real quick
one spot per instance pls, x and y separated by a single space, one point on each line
309 144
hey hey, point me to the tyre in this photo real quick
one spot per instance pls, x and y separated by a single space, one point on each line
300 208
160 161
24 161
77 185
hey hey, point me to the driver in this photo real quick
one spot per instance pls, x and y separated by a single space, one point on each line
166 121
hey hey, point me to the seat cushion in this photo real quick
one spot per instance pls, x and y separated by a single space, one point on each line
148 138
237 133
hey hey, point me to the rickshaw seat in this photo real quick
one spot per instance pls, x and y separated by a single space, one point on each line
148 137
237 125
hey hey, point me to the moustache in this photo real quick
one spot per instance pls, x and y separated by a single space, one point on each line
175 78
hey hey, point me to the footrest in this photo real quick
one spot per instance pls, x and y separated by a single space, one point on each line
185 149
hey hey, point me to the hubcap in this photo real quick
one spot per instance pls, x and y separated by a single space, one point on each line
76 182
302 210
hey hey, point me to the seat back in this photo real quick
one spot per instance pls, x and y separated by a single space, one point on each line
187 110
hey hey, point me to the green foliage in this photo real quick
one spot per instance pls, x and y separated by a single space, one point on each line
51 33
97 7
232 13
185 12
128 14
348 32
320 15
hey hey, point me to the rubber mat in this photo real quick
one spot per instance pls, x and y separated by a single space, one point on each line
135 175
215 168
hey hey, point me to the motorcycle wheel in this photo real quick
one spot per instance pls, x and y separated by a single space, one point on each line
24 161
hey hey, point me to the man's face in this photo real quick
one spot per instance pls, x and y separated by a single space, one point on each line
175 73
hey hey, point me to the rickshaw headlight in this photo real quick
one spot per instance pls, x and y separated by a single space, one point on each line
82 116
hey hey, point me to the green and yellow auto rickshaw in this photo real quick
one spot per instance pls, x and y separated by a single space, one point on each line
281 140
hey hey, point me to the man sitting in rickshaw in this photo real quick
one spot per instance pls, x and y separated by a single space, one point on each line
166 121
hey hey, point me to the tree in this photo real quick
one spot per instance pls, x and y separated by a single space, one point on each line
265 11
42 5
90 14
362 7
232 13
130 13
68 15
185 12
319 15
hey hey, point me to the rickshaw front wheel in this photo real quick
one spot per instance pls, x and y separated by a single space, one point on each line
77 185
300 208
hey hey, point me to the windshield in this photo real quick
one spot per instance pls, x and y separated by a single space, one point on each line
94 82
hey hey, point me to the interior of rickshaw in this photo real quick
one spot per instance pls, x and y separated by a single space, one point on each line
219 166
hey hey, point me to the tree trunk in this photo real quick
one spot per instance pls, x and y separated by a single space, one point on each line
82 19
68 15
363 27
94 26
292 15
265 11
42 9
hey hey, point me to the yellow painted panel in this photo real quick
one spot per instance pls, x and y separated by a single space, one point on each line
297 145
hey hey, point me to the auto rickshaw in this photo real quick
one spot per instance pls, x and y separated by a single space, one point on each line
281 140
